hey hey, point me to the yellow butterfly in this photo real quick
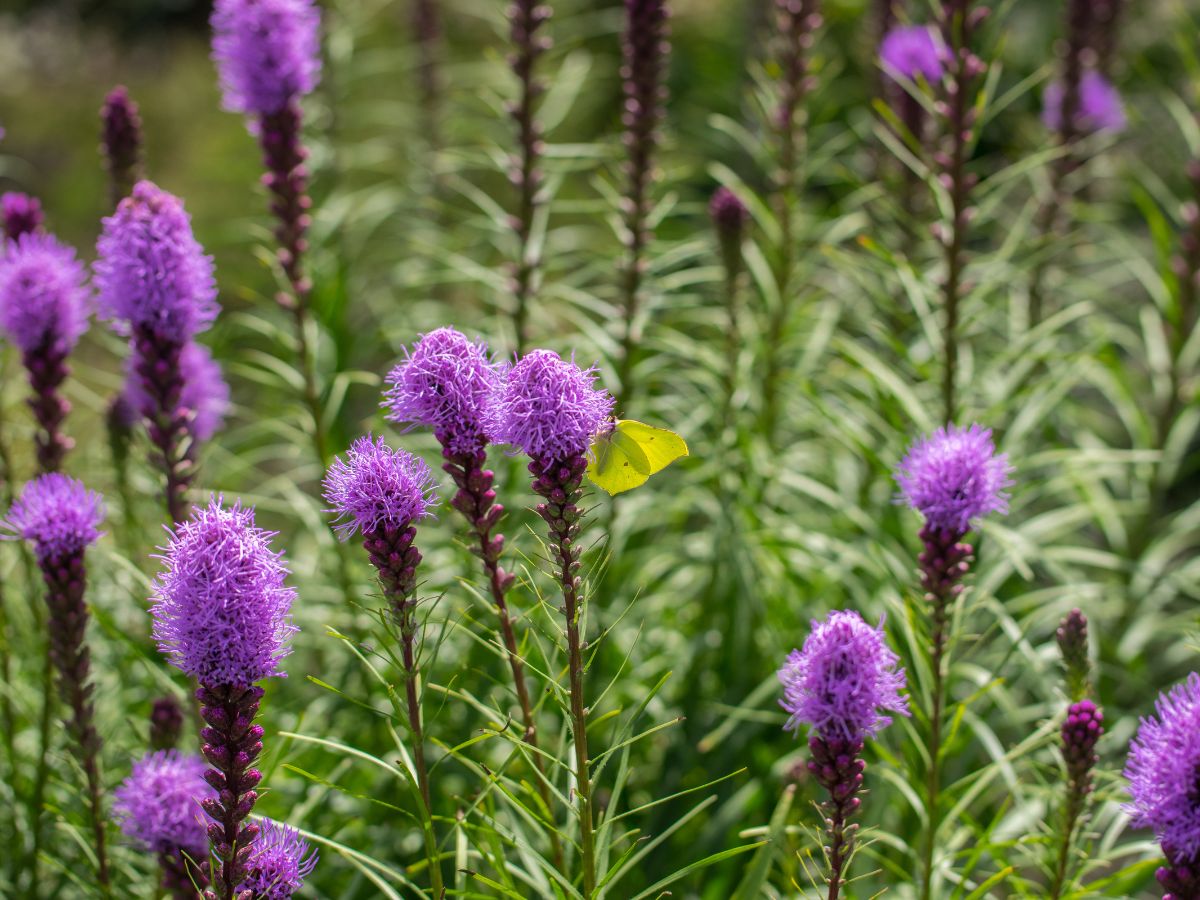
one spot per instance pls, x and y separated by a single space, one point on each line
628 453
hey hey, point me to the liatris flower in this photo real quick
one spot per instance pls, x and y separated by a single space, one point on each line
157 285
729 216
1164 757
643 72
842 683
1099 105
1072 637
279 862
22 214
268 56
61 518
222 614
444 383
159 809
44 308
526 18
203 397
550 409
121 142
912 50
381 494
166 723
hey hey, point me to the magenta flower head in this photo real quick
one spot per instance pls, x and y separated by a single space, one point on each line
1100 106
955 477
444 383
221 607
58 515
151 274
44 298
21 213
158 805
375 488
267 52
843 680
204 390
548 408
1164 758
280 860
912 50
728 213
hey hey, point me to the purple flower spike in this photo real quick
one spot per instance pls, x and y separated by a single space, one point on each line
279 862
44 299
152 276
22 214
444 384
58 515
376 488
955 477
121 141
222 610
204 392
267 52
1100 106
729 213
158 805
843 680
548 407
912 50
1164 758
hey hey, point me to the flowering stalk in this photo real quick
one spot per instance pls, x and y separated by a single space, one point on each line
268 56
157 285
958 22
121 142
842 683
645 48
526 17
222 616
427 31
729 216
953 478
549 408
381 493
796 24
1080 732
22 214
59 517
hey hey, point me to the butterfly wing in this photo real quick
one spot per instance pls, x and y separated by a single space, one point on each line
617 463
660 446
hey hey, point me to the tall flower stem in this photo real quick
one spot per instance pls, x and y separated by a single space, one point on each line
47 369
943 563
157 366
796 24
476 500
121 143
286 178
1080 732
645 53
838 767
232 743
396 557
65 580
958 22
526 16
427 32
559 481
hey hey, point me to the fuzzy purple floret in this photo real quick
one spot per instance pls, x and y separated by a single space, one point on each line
913 50
955 477
843 680
1100 106
221 607
444 383
151 274
21 214
728 212
1164 771
57 514
204 390
158 805
44 298
268 52
375 487
280 860
547 407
